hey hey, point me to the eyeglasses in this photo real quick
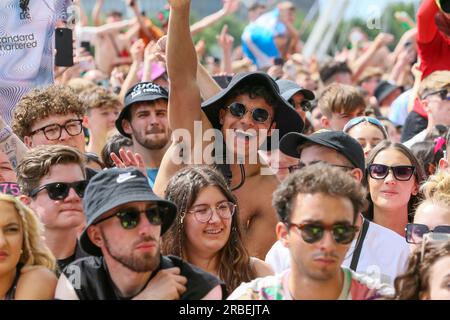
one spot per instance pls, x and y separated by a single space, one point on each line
416 231
305 105
53 131
130 217
313 232
299 166
443 94
60 190
239 110
381 171
355 121
204 213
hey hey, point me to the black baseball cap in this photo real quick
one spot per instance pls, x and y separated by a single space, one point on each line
337 140
111 188
289 88
141 92
286 118
383 89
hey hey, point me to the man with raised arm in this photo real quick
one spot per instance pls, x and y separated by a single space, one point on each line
250 106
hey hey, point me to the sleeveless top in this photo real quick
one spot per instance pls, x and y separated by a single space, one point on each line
95 283
12 291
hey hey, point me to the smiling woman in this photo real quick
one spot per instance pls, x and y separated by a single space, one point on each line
26 264
206 231
393 178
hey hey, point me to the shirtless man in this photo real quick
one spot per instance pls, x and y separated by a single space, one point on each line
268 111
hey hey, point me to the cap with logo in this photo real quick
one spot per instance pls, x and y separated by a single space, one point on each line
336 140
141 92
114 187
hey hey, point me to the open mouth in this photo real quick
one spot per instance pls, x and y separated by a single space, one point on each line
213 231
247 135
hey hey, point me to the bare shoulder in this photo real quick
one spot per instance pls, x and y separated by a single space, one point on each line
36 283
261 268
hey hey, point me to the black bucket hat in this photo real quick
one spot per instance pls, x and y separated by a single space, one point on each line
141 92
286 118
114 187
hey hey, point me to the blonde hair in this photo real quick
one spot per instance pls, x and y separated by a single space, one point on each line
435 81
436 191
35 252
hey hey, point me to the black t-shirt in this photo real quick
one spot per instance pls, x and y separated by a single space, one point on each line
414 124
95 282
78 254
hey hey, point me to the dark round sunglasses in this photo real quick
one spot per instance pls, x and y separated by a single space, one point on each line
130 217
313 232
381 171
416 231
239 110
305 105
60 190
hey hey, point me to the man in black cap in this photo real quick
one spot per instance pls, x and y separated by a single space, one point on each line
250 106
375 249
125 221
144 120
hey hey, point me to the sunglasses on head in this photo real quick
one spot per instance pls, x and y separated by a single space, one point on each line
381 171
130 217
60 190
313 232
239 110
416 231
355 121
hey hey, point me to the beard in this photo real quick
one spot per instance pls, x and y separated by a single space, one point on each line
152 143
143 263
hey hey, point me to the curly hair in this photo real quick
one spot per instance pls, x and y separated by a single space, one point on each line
99 97
37 163
39 104
35 252
414 283
183 188
318 178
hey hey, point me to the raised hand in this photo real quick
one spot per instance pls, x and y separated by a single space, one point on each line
231 6
137 50
129 159
225 40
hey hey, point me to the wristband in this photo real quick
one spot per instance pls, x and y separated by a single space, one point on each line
5 133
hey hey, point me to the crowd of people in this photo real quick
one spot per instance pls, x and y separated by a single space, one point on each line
151 169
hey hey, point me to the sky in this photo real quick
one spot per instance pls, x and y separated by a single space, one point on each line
364 8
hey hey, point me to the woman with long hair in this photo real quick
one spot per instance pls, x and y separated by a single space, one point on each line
206 231
427 274
393 178
26 265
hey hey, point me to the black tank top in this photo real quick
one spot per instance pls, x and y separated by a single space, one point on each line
95 282
10 294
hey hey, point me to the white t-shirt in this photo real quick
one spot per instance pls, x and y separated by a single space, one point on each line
26 47
384 254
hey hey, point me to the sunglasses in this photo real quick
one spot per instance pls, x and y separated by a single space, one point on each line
305 105
300 166
381 171
443 94
355 121
239 110
60 190
313 232
416 231
130 217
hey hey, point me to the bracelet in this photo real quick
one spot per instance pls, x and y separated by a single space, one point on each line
5 133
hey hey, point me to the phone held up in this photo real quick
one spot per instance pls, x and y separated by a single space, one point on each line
64 47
